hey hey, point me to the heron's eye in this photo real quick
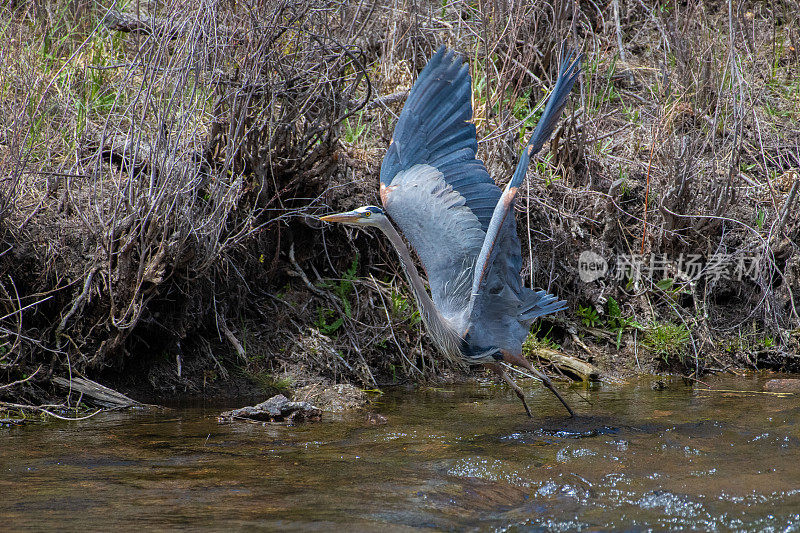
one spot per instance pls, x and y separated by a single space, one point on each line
367 214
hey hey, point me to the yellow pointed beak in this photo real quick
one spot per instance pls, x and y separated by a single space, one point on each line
349 216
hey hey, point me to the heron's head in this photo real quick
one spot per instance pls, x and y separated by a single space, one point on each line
369 215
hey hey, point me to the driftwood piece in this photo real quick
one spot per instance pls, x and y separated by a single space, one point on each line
383 101
101 394
240 351
12 422
571 365
137 154
276 409
128 22
787 208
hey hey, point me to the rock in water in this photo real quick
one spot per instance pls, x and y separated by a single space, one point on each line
276 409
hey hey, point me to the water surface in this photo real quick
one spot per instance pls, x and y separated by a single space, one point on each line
462 457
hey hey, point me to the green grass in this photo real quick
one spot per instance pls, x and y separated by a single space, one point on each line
666 340
270 383
754 340
404 309
355 129
327 322
617 323
538 339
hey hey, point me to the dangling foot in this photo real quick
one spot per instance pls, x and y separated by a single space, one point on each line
524 363
502 373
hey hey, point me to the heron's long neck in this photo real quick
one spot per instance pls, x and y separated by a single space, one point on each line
442 332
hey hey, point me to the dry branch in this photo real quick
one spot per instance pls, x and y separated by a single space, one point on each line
787 208
172 28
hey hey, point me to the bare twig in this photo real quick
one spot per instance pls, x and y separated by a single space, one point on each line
240 351
787 207
20 381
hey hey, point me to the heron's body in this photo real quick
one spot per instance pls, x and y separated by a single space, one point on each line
459 222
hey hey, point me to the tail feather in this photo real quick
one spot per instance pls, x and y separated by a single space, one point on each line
539 303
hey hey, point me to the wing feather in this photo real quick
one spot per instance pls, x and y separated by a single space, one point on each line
434 129
497 285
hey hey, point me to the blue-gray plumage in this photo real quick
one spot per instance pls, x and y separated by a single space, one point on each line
457 220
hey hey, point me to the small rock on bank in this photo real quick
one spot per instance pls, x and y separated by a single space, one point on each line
276 409
335 398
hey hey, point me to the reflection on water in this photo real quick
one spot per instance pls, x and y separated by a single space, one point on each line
457 458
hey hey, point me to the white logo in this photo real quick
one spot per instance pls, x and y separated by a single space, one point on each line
591 266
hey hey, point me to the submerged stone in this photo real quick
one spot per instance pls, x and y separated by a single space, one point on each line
783 385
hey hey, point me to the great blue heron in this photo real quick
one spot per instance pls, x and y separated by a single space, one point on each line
456 218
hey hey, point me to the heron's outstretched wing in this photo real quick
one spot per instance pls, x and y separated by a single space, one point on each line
432 185
501 310
497 231
434 129
444 201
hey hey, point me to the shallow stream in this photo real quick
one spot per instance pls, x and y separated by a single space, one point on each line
460 457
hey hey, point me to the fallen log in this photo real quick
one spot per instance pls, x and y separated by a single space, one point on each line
101 394
567 364
172 28
7 422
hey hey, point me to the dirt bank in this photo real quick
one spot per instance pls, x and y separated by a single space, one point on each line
162 172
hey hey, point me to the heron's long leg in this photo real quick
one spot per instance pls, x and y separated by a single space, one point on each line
524 363
502 373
